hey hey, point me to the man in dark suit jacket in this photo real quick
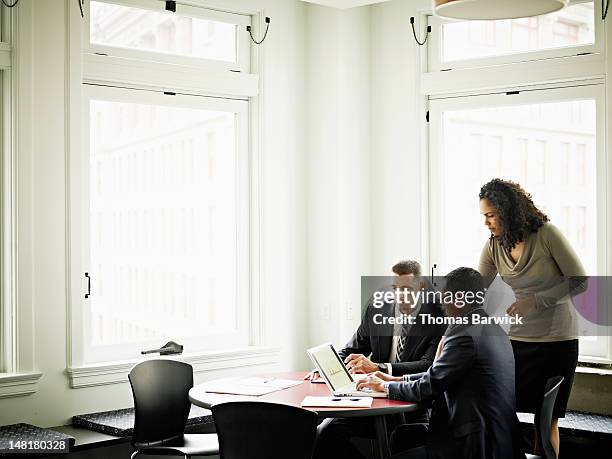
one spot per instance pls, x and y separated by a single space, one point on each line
394 349
418 350
472 383
382 347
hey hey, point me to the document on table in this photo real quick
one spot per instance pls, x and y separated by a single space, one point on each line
342 402
270 382
232 387
248 386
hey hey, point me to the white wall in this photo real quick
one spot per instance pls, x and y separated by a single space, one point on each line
42 204
397 119
284 289
338 152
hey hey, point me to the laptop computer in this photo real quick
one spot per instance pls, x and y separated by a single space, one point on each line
337 377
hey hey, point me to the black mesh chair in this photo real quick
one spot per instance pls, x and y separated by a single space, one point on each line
546 409
161 409
260 430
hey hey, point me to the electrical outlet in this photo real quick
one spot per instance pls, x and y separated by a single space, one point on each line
348 309
326 312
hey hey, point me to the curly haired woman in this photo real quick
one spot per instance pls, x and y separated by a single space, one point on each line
537 262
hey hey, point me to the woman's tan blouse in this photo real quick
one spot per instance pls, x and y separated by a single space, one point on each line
549 269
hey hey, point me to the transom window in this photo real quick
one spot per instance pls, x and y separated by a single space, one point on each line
570 31
143 29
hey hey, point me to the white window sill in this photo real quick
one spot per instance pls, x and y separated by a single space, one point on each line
116 372
594 370
18 384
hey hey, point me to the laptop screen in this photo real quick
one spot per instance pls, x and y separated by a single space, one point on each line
330 365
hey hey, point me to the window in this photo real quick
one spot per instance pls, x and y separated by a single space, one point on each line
537 84
564 156
523 33
493 154
143 29
580 170
531 164
161 187
518 168
536 164
165 201
567 32
565 182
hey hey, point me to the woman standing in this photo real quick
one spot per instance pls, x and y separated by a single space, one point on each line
537 262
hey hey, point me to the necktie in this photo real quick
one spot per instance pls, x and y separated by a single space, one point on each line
401 343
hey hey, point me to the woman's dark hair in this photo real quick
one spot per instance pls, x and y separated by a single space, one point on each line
517 211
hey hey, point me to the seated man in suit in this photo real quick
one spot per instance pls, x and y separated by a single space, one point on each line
471 382
394 349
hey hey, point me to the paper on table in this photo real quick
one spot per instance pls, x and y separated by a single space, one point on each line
225 387
285 383
343 402
269 382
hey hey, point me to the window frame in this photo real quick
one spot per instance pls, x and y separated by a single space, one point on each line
535 72
438 106
601 349
242 63
85 68
241 110
434 48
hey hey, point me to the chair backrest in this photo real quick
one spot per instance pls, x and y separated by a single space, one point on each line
546 410
161 401
260 430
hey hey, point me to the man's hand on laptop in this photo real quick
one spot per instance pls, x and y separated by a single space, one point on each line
373 383
314 374
359 363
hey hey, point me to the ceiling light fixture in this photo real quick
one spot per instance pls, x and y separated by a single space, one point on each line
495 9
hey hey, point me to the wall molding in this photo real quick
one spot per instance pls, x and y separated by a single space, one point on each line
19 384
116 373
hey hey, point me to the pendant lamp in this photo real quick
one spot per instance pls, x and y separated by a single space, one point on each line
495 9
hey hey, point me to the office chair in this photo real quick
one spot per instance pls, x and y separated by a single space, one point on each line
260 430
408 436
546 409
161 409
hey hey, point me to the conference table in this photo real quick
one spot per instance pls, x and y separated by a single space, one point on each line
293 396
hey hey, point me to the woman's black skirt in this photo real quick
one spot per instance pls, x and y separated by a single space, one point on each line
534 364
